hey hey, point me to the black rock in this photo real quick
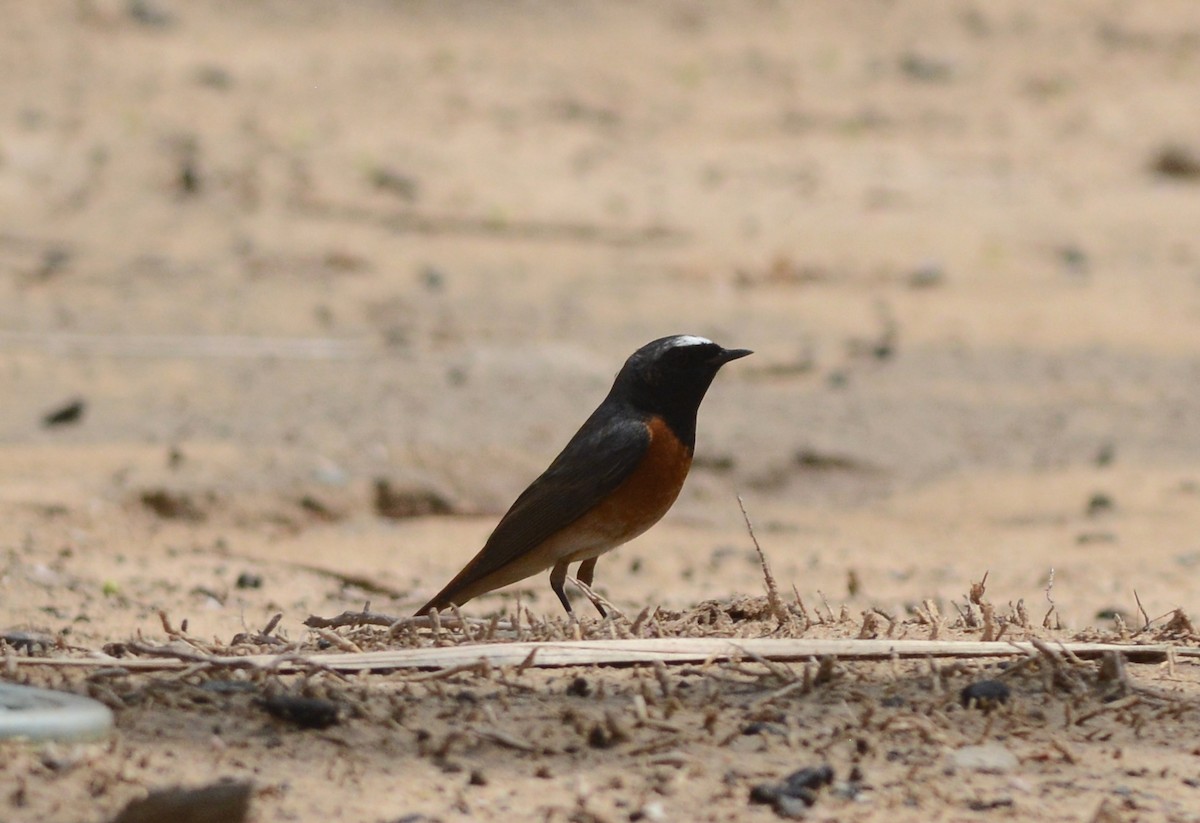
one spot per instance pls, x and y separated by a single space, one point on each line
796 792
305 712
765 793
69 412
808 780
985 694
223 802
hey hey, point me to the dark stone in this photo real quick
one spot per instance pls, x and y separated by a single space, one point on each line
305 712
808 780
224 802
69 412
765 793
985 694
249 580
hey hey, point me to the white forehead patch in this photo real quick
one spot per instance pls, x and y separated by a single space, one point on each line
689 340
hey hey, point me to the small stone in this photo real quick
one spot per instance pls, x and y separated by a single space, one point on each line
69 412
808 779
759 727
305 712
600 738
1177 162
764 793
985 694
249 580
1099 503
226 801
172 505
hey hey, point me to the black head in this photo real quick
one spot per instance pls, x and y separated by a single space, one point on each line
670 376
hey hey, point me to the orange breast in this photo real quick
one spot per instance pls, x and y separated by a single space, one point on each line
641 500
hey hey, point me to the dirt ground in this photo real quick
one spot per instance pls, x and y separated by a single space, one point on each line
315 289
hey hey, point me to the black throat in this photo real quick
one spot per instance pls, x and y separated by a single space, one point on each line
677 404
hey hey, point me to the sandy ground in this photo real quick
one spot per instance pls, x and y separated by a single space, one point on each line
283 251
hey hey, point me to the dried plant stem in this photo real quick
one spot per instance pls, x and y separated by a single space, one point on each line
774 602
596 598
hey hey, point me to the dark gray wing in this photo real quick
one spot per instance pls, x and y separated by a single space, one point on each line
602 454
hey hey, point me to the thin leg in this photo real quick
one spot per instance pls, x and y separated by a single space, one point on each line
558 576
587 569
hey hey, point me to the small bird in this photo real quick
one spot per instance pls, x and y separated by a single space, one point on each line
616 477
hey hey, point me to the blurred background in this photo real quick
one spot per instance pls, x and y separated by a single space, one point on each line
286 277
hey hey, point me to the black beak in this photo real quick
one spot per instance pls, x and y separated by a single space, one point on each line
730 354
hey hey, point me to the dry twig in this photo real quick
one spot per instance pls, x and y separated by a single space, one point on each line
1050 599
597 599
336 639
774 602
1142 609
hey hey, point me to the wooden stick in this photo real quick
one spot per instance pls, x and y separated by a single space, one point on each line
637 651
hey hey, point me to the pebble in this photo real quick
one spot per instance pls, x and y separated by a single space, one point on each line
68 412
305 712
985 694
791 796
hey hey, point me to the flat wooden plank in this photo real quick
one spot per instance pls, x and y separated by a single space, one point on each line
630 652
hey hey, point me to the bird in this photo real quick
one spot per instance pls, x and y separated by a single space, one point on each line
615 478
